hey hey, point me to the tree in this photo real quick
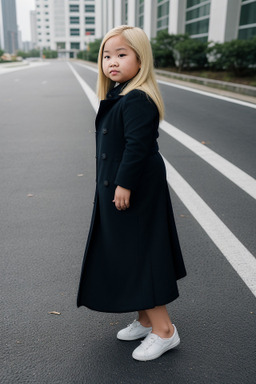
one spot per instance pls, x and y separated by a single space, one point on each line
49 54
91 54
238 56
191 54
163 46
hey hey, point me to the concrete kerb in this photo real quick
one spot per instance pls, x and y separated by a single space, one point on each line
224 85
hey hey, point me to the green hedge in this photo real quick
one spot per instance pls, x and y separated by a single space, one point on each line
184 53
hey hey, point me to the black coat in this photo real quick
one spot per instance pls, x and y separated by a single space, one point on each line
132 258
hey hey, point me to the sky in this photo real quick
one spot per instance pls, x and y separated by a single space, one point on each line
23 8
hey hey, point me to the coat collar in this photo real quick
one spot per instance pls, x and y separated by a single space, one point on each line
112 97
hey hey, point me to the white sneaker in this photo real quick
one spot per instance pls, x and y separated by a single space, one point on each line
154 346
133 331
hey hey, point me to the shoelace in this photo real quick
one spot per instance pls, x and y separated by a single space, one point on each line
133 325
146 343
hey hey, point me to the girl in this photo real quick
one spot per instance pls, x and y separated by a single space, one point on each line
132 257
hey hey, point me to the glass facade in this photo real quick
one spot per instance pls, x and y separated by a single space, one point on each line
89 8
140 13
89 20
162 15
74 32
197 19
73 7
247 24
74 20
74 45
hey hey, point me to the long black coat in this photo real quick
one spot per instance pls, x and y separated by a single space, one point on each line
132 258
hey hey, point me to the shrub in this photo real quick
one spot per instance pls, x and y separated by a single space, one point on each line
163 46
191 54
237 56
92 52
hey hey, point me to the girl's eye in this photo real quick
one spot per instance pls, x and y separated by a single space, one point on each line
122 55
106 57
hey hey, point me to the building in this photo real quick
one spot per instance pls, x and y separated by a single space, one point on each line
33 28
8 26
69 25
65 25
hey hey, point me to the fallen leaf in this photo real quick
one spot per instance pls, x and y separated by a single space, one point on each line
80 174
30 195
203 142
54 313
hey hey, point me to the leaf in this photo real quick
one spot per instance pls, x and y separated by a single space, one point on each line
54 313
30 195
80 174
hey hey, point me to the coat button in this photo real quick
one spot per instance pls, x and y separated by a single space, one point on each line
106 183
103 156
104 131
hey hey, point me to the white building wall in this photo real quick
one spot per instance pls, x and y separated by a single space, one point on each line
150 18
224 20
33 28
1 28
132 12
177 14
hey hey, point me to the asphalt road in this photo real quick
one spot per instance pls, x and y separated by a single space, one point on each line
47 180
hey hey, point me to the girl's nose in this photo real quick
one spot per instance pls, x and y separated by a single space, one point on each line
113 63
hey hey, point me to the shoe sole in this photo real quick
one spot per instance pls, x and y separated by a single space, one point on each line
177 342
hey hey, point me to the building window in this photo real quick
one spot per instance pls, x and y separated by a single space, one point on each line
61 45
74 45
89 31
74 20
89 8
197 19
140 13
162 14
247 24
89 20
248 14
198 27
204 10
73 7
192 3
74 32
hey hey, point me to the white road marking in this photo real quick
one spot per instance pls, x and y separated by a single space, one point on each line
238 256
229 170
234 251
87 90
88 67
226 168
209 94
204 93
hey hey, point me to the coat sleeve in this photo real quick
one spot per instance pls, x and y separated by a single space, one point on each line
141 120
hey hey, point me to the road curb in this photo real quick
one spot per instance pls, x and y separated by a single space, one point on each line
223 85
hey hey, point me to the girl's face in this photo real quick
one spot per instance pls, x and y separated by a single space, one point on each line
119 61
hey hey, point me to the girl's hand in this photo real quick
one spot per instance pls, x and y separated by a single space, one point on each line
122 198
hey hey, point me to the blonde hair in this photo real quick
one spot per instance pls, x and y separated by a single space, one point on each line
145 79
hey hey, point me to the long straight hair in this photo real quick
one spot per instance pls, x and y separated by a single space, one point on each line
145 79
